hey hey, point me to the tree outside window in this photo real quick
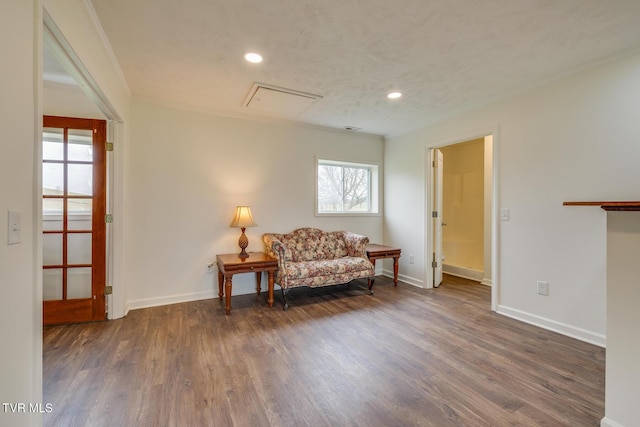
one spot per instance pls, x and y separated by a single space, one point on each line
345 187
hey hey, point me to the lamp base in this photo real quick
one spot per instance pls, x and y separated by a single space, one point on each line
243 242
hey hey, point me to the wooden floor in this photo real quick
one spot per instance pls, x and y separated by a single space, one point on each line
338 357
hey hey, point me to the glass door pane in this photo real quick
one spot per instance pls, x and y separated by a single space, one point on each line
79 214
53 179
80 179
79 283
52 215
80 145
53 144
52 249
52 284
78 248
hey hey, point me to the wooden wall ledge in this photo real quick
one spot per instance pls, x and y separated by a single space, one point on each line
608 206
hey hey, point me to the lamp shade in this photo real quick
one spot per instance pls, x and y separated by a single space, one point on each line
242 218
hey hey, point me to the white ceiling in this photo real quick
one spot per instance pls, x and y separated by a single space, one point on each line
446 56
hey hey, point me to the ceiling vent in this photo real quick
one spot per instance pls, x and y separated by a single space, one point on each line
278 100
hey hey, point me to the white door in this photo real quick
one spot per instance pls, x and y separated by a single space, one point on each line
436 215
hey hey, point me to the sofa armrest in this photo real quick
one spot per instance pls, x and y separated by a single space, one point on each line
356 244
275 248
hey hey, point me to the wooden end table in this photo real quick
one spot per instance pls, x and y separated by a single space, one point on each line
256 262
376 251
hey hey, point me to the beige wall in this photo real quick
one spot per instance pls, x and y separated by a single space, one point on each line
463 204
20 305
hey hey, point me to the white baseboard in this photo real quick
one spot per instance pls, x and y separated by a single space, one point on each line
464 272
196 296
606 422
485 281
403 278
170 299
562 328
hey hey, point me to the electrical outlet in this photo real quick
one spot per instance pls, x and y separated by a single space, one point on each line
411 259
543 288
210 268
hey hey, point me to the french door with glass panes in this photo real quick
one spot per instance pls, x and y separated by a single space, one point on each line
73 219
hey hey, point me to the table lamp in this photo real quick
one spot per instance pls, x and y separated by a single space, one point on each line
243 219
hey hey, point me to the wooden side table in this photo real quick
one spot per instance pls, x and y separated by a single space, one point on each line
376 251
256 262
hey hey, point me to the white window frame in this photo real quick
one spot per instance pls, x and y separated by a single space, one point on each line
374 187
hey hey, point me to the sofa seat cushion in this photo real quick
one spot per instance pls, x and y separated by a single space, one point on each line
326 272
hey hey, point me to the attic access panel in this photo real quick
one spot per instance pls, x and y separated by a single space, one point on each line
278 100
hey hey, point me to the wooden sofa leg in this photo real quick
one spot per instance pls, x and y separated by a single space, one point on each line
284 298
370 285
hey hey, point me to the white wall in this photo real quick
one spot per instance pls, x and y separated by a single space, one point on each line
575 139
20 305
188 171
623 318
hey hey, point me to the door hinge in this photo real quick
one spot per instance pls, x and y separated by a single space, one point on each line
434 264
108 290
434 214
108 218
108 146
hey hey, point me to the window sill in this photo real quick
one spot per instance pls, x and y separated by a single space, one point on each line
347 214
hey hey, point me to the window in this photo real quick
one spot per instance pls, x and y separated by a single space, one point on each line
346 188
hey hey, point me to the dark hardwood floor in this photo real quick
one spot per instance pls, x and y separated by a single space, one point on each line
338 357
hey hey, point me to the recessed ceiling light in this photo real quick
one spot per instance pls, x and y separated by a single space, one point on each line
253 57
394 95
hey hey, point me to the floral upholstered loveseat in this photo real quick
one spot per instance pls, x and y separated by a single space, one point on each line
312 257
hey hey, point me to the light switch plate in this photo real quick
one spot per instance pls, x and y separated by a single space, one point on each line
504 215
14 228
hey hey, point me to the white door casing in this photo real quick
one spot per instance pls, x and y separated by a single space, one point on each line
436 215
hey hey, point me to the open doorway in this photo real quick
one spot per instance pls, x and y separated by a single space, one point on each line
463 211
461 238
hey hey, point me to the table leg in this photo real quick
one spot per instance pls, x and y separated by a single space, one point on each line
220 282
258 280
395 271
271 277
227 290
